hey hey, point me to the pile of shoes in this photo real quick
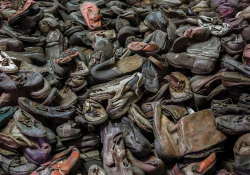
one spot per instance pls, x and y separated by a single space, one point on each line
125 87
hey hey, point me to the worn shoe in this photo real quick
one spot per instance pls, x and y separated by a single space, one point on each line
66 161
180 89
233 124
29 125
241 152
91 15
6 64
204 167
165 136
68 131
94 113
150 165
60 113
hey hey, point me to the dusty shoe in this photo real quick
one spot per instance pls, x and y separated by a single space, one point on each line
119 106
65 97
91 14
16 165
180 89
150 165
25 10
233 124
241 153
136 115
165 136
150 77
29 125
6 64
94 113
133 138
67 56
200 57
77 83
66 161
80 70
61 113
96 170
68 131
5 115
201 168
114 156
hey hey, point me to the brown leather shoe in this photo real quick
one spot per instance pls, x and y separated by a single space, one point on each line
166 145
180 89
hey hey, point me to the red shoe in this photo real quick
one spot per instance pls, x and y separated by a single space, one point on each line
91 14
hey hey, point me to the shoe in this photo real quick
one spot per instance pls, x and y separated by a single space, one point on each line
21 14
233 124
150 165
38 156
67 56
6 83
197 33
204 84
94 113
42 92
114 156
180 89
49 7
119 106
91 15
109 34
68 131
143 48
233 44
137 116
96 170
29 125
229 109
6 64
200 57
118 69
5 115
28 80
17 165
232 79
13 138
11 44
29 22
235 65
80 69
66 161
133 138
36 109
241 152
104 46
65 97
204 167
167 148
48 23
76 83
